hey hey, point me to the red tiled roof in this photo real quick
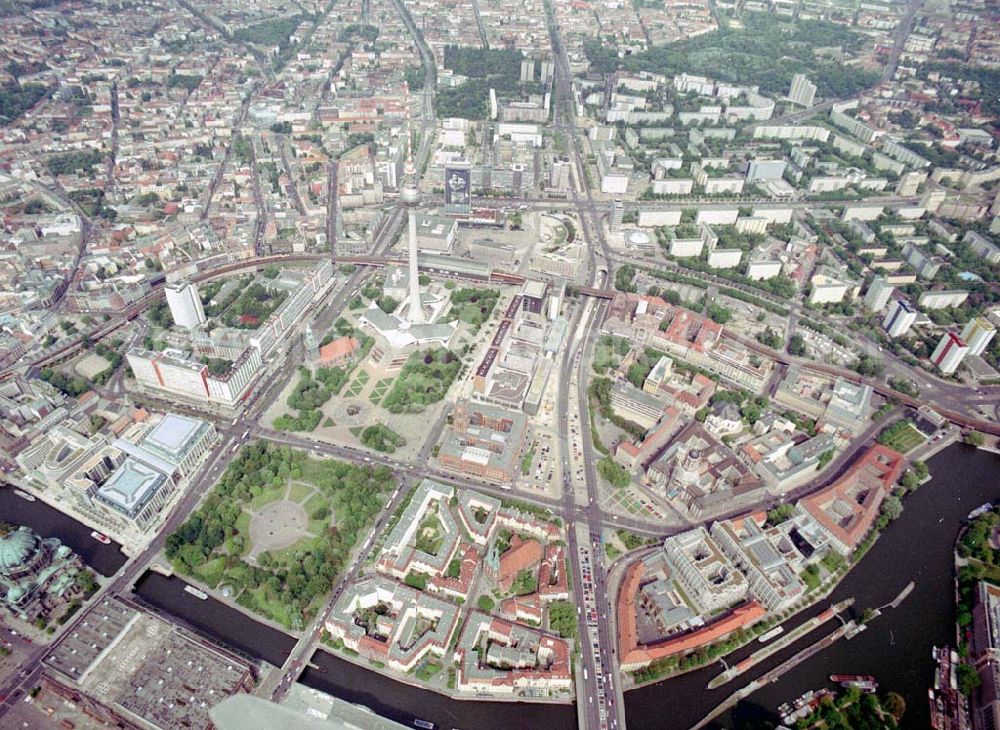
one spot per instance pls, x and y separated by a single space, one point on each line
339 348
875 471
519 556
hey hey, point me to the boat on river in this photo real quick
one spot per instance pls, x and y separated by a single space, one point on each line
766 637
195 592
864 682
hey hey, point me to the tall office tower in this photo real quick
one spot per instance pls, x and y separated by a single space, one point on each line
977 334
409 196
528 70
951 350
617 214
878 294
548 70
559 173
803 91
185 304
900 318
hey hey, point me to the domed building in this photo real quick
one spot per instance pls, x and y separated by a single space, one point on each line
36 573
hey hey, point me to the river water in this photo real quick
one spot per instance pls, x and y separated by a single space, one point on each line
215 619
50 522
896 648
404 703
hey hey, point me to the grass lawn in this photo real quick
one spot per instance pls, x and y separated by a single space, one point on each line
905 439
429 537
266 497
243 527
211 572
526 462
299 491
474 306
427 670
318 526
380 389
356 431
236 574
263 602
314 502
302 544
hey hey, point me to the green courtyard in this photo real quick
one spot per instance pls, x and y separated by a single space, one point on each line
902 436
424 380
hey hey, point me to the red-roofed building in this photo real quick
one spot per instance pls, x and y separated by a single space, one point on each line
458 587
522 608
633 455
552 582
339 352
634 655
521 555
847 508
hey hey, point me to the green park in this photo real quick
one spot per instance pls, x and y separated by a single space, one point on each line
278 528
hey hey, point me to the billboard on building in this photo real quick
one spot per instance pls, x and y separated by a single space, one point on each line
457 187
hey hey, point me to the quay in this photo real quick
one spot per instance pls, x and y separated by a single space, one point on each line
770 649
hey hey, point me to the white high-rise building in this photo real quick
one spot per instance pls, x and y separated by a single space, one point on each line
803 91
900 318
559 173
617 215
878 294
951 350
977 334
185 304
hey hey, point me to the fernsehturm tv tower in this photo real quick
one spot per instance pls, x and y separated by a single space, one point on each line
409 196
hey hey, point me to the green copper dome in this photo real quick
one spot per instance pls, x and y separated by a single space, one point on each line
16 548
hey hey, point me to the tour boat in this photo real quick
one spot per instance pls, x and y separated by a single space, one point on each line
195 592
776 631
863 682
980 510
424 724
24 495
100 537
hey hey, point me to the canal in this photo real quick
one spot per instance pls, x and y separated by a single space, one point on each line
896 649
50 522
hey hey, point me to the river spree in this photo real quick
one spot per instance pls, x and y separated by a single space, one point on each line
404 703
50 522
215 619
896 649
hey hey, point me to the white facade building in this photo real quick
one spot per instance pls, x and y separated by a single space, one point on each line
878 294
802 91
951 350
977 334
900 318
185 304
